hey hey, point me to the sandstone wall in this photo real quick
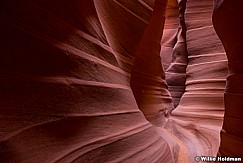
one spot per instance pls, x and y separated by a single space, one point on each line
65 90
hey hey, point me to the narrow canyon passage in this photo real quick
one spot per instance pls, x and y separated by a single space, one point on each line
120 80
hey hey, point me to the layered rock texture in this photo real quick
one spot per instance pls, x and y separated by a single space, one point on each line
228 22
198 118
120 80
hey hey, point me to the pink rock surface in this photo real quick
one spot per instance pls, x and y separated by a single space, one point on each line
198 118
66 69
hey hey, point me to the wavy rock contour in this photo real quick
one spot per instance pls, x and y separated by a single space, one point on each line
66 69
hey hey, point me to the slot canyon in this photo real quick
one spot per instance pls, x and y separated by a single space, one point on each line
137 81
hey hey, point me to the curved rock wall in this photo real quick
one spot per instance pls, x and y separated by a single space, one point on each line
65 82
174 45
198 118
148 77
228 24
63 95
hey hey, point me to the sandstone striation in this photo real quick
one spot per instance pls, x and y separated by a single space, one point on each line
120 81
